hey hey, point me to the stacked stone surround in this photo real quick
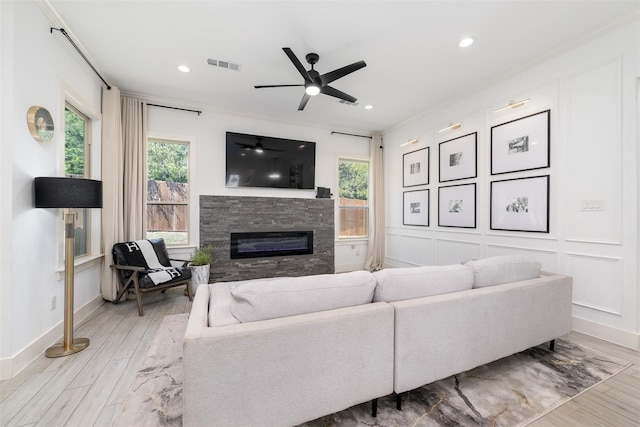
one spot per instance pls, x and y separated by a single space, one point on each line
220 215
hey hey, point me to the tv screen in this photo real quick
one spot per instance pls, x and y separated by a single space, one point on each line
264 161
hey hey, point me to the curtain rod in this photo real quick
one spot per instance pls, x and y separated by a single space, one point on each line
175 108
350 134
64 33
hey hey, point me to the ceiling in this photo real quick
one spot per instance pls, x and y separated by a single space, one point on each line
410 47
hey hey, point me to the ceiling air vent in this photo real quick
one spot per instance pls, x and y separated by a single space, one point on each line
355 104
223 63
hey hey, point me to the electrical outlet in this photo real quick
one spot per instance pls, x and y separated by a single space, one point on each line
53 302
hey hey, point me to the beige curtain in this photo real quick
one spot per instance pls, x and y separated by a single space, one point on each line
112 184
124 146
375 251
134 136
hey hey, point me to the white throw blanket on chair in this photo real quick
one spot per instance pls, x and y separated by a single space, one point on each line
160 273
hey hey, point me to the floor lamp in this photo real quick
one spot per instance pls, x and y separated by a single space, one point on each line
68 193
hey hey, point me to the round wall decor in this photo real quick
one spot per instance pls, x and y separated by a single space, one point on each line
40 123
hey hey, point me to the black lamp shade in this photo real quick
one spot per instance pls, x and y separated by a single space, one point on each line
55 192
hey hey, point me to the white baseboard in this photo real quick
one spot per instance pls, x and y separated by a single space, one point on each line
10 367
624 338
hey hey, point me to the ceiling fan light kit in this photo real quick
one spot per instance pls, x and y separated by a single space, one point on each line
312 90
314 82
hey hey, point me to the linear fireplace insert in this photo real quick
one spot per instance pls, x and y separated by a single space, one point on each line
259 244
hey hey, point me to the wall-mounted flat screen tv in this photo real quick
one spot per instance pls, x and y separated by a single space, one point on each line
265 161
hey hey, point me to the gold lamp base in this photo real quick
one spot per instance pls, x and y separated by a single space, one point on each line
69 344
59 350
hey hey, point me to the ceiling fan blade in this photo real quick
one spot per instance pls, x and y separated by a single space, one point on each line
298 64
327 78
263 86
303 102
328 90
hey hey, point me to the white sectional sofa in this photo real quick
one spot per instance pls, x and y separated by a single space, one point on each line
283 351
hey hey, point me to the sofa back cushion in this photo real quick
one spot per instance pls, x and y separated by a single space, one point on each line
503 269
261 300
395 284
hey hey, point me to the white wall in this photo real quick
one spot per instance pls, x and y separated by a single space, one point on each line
38 68
591 92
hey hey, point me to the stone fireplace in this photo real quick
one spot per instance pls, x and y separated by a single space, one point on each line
274 236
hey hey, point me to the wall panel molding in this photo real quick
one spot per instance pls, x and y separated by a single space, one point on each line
594 96
453 251
597 281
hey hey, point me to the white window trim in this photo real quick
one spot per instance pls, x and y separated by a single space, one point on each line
359 158
68 95
192 230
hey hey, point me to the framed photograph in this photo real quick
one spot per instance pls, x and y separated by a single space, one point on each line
457 206
458 158
521 144
415 167
520 204
416 207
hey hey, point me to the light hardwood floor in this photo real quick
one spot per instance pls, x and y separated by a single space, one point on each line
88 388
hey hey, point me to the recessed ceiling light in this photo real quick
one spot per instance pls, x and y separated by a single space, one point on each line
465 42
368 107
184 68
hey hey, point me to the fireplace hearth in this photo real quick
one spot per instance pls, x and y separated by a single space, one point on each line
260 244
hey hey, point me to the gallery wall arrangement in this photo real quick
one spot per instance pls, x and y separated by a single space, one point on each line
519 203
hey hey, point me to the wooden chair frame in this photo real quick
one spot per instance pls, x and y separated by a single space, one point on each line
133 282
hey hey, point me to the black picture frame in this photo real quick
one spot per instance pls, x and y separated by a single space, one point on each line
520 204
415 208
457 206
458 158
522 144
415 168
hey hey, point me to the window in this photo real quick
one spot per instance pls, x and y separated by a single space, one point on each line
353 206
168 191
76 165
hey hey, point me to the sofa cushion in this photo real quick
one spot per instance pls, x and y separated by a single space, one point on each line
395 284
261 300
503 269
220 305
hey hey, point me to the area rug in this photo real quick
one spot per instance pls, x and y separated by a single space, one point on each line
508 392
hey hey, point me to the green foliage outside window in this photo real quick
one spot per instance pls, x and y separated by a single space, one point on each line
353 180
168 162
73 144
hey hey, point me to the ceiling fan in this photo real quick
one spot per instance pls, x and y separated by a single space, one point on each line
314 82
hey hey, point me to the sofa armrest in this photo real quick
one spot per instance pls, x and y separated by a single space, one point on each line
288 370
